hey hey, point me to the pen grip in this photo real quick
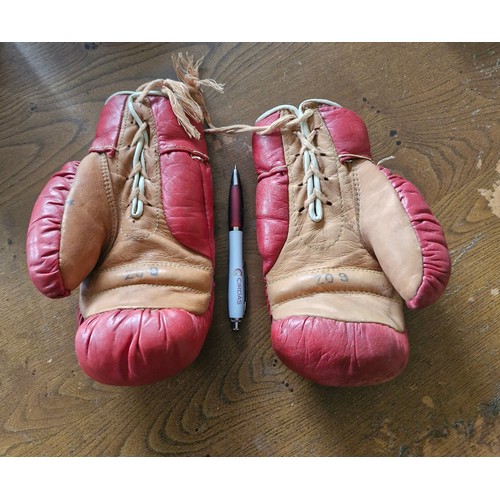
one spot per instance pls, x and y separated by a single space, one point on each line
236 278
236 207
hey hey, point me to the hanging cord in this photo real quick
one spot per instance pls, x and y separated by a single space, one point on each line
187 103
185 96
285 122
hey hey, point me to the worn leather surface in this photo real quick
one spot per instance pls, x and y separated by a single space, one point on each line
335 287
44 233
146 294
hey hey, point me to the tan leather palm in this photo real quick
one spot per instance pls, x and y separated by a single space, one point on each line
132 225
326 268
343 241
141 264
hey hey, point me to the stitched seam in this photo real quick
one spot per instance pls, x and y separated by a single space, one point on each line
357 201
59 270
401 196
61 229
180 287
157 177
322 269
397 301
108 188
357 185
211 241
145 237
162 263
125 122
336 160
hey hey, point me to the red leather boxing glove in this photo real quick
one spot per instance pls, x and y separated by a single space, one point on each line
133 224
342 241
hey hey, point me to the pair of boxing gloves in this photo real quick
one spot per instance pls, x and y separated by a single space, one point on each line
344 243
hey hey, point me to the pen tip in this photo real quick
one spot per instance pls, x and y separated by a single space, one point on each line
235 178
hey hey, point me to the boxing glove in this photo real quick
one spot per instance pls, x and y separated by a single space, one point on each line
132 223
343 243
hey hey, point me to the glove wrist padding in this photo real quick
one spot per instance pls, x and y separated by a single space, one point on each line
146 295
334 286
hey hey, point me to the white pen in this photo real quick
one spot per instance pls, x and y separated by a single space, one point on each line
236 290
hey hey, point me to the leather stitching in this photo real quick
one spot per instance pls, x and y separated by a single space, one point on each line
121 139
180 287
157 263
62 226
358 206
400 193
108 188
357 201
338 293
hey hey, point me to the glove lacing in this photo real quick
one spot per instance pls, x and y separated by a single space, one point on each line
187 103
299 117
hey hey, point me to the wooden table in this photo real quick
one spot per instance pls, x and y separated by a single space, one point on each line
433 106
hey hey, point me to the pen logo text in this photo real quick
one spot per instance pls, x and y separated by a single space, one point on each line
238 273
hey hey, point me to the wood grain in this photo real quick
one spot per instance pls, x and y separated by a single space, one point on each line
432 106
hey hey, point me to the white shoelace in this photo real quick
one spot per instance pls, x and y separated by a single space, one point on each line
309 151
